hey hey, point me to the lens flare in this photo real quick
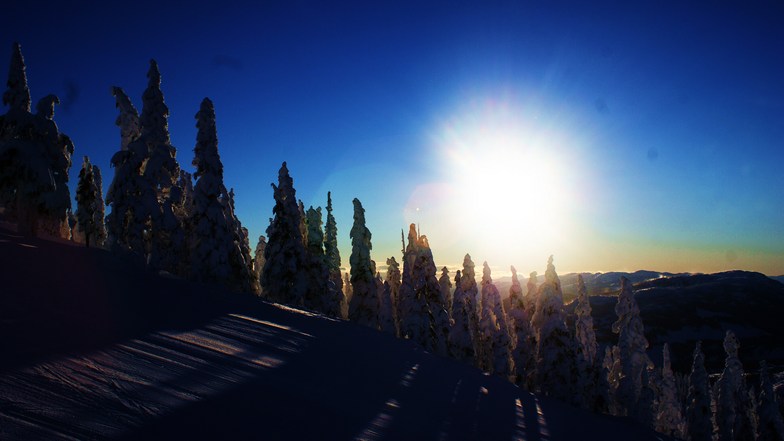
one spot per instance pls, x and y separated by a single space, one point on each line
509 177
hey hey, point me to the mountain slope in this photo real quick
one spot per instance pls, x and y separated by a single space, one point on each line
681 309
95 347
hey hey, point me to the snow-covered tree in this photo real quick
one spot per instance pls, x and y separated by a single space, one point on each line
771 425
644 410
698 401
258 260
529 301
17 95
348 291
394 282
461 342
429 289
446 290
732 400
522 336
99 215
89 205
161 194
668 419
555 367
322 294
585 338
413 323
283 278
318 272
127 220
607 381
303 228
632 358
185 182
386 319
332 253
494 329
423 317
364 305
216 253
242 237
34 159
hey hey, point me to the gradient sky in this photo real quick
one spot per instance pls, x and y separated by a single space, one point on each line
614 136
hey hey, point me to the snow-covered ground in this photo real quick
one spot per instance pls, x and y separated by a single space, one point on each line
95 347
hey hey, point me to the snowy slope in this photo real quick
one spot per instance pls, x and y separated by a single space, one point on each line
94 347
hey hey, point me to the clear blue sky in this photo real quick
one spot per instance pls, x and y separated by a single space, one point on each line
615 136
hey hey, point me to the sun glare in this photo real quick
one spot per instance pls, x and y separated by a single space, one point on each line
511 179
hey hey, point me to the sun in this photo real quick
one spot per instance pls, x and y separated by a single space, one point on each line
511 181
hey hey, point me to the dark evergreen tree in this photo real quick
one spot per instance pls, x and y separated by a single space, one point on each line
364 305
698 402
89 205
331 246
35 159
215 246
127 222
283 278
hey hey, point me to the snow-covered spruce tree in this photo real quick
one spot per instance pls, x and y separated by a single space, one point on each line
423 317
258 260
668 418
632 358
529 301
56 204
607 382
17 95
185 182
161 194
644 410
585 338
394 282
465 331
771 425
89 205
333 253
427 288
413 323
34 159
242 237
698 402
348 290
127 221
386 319
446 290
461 337
494 329
522 336
100 209
283 278
216 256
732 404
364 305
303 228
322 294
555 366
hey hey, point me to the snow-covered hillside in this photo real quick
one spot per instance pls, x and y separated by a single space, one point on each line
681 309
95 347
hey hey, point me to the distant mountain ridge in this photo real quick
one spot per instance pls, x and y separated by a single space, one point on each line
683 308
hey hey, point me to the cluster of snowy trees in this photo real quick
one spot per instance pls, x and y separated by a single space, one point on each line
35 159
160 216
158 213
